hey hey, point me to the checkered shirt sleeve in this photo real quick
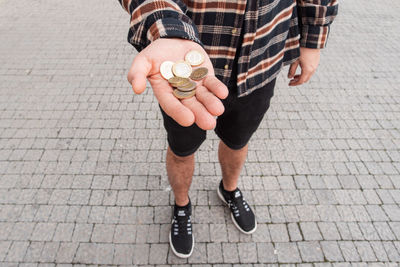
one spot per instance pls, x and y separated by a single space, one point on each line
153 19
315 17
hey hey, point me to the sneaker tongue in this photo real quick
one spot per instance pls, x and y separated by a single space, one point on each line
181 213
237 194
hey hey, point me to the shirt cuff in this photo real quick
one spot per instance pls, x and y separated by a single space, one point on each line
173 28
313 36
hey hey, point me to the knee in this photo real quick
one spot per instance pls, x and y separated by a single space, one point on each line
179 159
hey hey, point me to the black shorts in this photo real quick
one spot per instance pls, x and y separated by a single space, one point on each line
235 126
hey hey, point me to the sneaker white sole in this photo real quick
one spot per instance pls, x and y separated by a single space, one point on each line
180 255
233 219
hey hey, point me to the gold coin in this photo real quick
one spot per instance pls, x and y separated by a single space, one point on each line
166 69
178 81
182 69
199 74
181 95
189 87
194 57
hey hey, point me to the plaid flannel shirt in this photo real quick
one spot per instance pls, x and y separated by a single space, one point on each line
273 32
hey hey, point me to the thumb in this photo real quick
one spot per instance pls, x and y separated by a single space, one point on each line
138 72
292 69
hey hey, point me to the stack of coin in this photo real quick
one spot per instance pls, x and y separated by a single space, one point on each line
181 76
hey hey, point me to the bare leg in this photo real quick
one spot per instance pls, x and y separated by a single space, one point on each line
180 172
232 162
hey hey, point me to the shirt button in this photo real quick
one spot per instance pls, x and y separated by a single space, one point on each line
226 66
234 30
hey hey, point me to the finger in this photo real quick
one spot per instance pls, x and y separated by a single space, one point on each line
138 72
292 69
174 108
203 118
305 75
294 81
300 79
217 87
210 101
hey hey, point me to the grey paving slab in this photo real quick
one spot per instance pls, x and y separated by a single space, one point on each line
82 159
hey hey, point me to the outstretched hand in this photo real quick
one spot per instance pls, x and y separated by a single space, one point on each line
308 61
200 109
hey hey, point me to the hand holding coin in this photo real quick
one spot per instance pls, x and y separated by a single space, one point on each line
183 81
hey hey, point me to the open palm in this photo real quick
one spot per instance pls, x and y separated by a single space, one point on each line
200 109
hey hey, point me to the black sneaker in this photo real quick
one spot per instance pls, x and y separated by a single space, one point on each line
242 215
181 238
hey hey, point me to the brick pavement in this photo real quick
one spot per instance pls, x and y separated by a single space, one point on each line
82 179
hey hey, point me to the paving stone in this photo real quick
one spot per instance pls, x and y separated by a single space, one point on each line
391 251
266 253
43 232
355 231
392 211
331 251
127 215
202 232
262 233
103 233
66 252
328 213
307 213
154 234
379 251
34 251
158 253
218 233
200 255
105 253
287 252
384 231
277 215
360 213
124 198
247 252
230 252
376 213
64 232
79 197
310 231
346 213
17 251
125 234
365 251
141 253
368 230
310 251
262 214
145 215
349 251
21 231
278 232
290 213
123 254
96 197
4 246
82 232
49 251
214 252
329 231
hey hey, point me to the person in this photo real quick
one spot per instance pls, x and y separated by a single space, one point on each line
246 44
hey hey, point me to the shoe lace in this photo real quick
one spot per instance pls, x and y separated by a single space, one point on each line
182 225
238 204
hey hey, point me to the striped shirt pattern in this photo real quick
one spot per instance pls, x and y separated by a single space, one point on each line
274 30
